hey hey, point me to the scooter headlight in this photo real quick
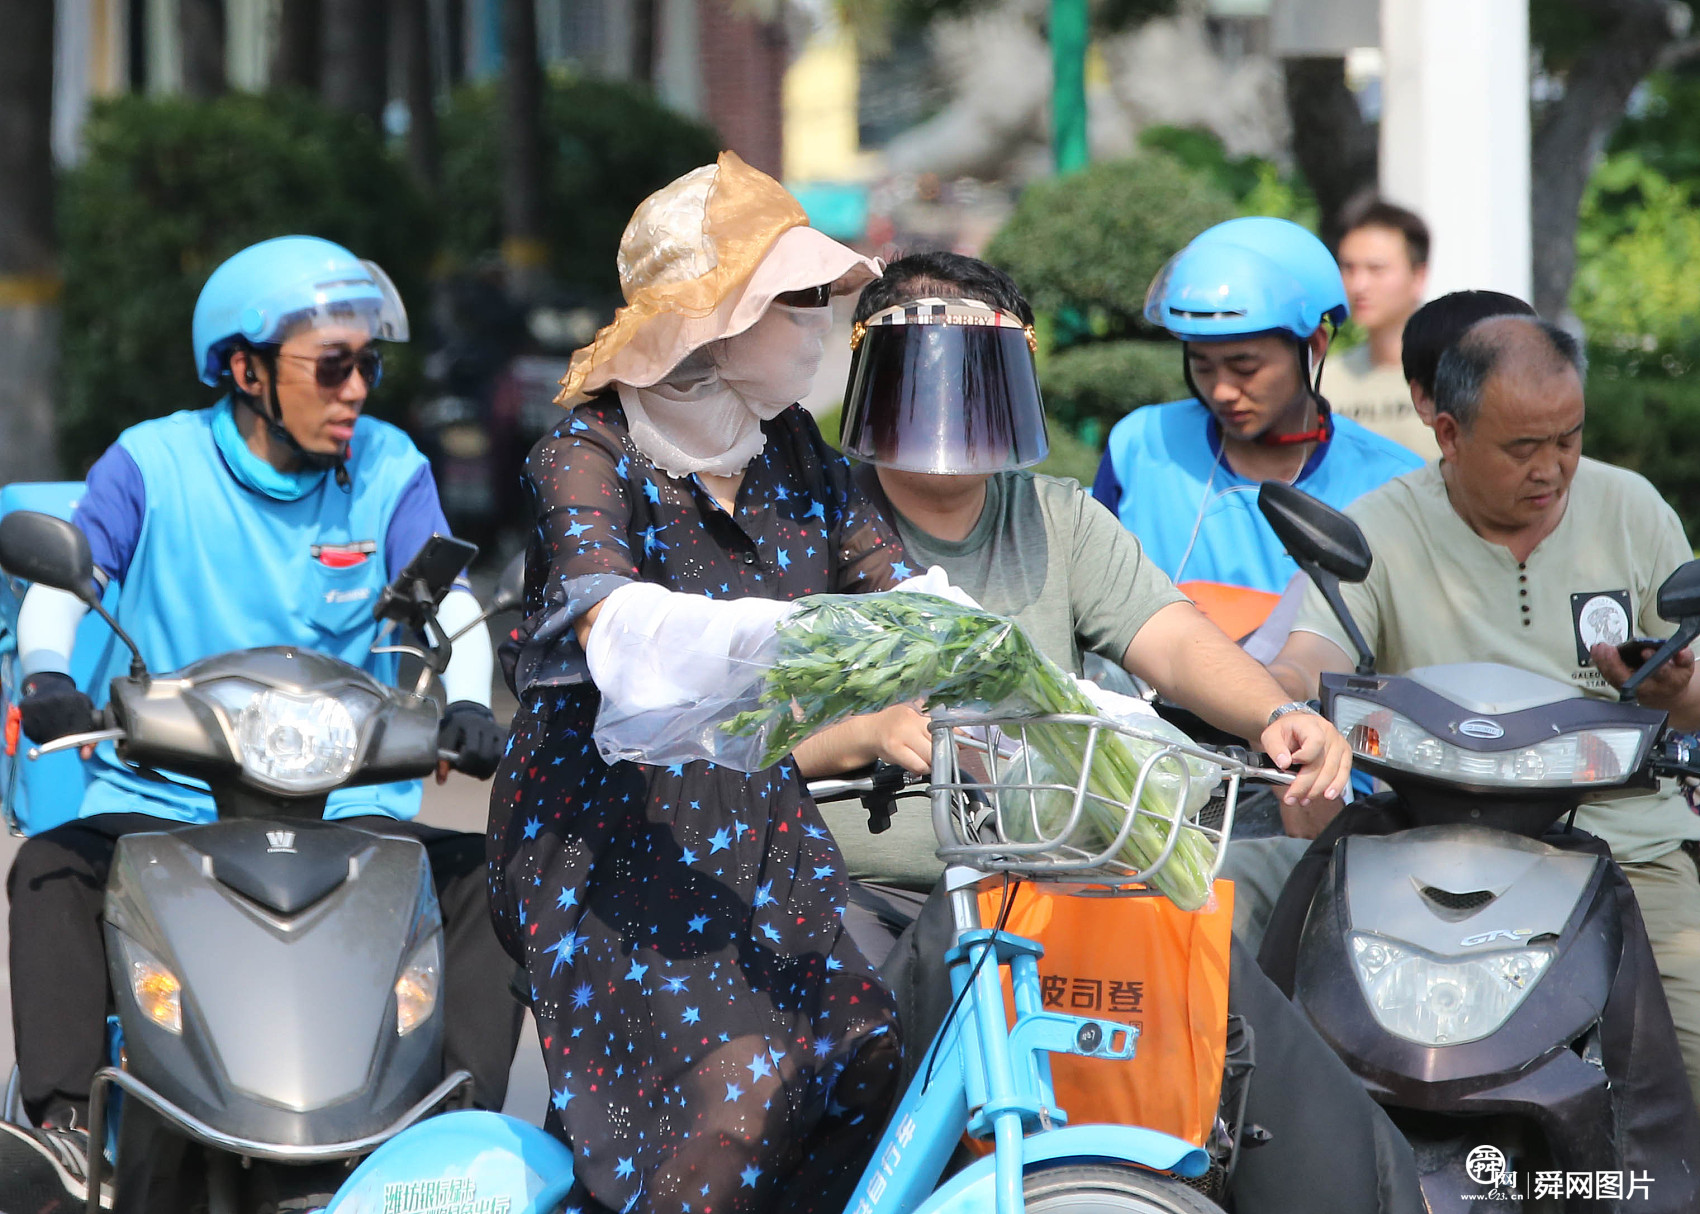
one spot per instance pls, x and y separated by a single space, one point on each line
1434 1002
296 743
158 992
1580 757
416 989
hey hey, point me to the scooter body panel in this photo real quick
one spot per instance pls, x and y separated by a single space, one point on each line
1541 1065
463 1161
289 1027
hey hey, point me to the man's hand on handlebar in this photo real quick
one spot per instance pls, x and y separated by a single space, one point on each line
1664 688
470 731
1311 744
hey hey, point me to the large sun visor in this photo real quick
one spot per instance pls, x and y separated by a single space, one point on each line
944 386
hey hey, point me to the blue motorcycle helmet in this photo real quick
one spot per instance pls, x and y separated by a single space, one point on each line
269 291
1250 277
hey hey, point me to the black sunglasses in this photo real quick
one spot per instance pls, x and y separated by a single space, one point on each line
332 368
808 297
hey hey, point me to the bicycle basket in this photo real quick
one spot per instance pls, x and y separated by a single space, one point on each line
1084 799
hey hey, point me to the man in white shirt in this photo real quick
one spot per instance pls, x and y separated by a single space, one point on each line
1384 262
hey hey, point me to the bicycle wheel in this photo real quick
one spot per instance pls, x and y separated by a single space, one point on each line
1108 1189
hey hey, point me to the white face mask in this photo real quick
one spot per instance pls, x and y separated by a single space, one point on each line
772 364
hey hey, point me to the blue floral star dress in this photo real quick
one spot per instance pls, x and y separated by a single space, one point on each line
710 1032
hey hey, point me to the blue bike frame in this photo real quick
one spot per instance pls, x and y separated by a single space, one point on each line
993 1080
981 1075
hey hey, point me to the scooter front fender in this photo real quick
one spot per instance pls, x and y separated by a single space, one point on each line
472 1160
974 1189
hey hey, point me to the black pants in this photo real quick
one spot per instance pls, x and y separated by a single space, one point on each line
61 998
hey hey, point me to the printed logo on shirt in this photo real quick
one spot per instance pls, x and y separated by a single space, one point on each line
355 594
344 556
1600 617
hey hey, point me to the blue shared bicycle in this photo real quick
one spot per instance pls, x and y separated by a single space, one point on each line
999 816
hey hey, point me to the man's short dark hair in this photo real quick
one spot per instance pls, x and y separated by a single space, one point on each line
1375 213
1440 322
946 275
1468 363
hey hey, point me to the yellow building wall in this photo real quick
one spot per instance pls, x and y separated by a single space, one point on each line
821 142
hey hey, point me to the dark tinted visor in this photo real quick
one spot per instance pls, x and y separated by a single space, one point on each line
946 398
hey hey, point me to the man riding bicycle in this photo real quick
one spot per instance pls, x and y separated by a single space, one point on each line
948 453
274 517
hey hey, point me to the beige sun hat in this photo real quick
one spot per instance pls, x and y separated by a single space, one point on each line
702 258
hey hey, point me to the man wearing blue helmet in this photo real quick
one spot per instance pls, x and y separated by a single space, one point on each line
1253 301
273 518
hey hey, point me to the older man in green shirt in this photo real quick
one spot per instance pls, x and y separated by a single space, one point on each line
1516 549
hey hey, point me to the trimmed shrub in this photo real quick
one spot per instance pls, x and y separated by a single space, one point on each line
1095 239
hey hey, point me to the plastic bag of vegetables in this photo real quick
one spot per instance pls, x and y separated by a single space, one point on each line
809 664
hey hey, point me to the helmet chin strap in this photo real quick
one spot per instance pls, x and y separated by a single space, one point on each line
273 420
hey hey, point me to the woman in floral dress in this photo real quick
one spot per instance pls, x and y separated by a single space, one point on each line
710 1033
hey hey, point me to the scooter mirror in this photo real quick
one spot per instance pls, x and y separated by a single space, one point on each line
510 588
1327 545
48 551
1679 597
1315 532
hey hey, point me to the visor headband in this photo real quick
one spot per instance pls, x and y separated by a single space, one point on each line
943 312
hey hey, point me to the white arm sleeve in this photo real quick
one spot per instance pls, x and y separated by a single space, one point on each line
472 665
47 629
672 667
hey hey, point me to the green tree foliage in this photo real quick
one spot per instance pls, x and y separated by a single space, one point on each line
1093 240
1084 248
168 189
1639 303
609 146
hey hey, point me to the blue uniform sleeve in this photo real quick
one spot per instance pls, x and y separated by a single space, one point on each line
1106 488
110 512
418 513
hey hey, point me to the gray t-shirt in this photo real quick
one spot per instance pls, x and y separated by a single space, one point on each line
1052 558
1440 593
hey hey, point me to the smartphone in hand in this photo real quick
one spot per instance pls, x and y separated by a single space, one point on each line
1635 652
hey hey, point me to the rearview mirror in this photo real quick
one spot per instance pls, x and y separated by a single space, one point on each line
1326 545
48 551
1679 597
510 588
1315 532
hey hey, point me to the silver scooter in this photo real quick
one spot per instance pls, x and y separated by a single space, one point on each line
276 976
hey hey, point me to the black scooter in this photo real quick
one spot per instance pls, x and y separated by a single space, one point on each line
1465 969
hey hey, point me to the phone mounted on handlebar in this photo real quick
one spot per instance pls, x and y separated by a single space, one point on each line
412 599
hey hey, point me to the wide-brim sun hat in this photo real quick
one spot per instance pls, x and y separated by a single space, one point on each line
702 259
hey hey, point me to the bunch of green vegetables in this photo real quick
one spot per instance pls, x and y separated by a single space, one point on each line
840 656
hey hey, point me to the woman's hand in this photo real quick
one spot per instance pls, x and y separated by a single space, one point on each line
898 735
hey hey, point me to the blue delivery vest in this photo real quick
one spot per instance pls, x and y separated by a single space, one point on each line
1164 476
219 566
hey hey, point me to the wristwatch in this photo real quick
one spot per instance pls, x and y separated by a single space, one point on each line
1290 706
